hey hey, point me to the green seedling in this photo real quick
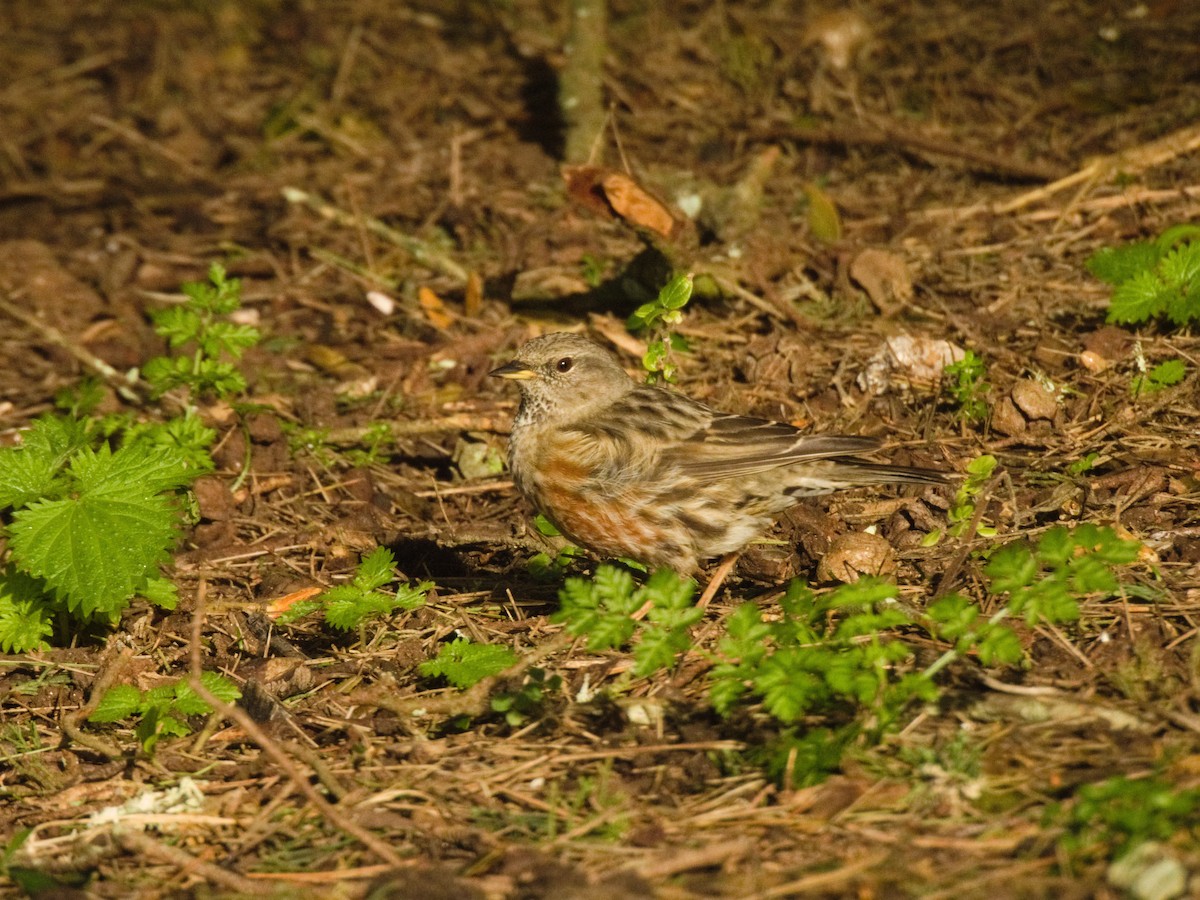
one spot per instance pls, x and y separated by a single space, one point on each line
464 664
1158 279
965 382
350 605
162 711
657 317
202 323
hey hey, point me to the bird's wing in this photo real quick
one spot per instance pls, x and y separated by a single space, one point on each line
733 446
656 429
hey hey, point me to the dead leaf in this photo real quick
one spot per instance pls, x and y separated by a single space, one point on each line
637 206
885 278
280 605
609 192
435 310
473 296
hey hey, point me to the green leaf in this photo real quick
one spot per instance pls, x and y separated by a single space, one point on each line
121 701
1000 646
1116 265
26 476
162 592
545 527
178 324
187 702
94 551
140 469
787 686
823 218
1166 374
464 664
1139 299
346 606
375 570
26 614
1180 272
30 471
676 293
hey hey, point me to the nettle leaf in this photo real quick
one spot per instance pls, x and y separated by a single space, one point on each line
1140 298
1181 270
31 471
1166 374
26 476
141 468
26 619
347 605
119 702
94 551
1116 265
162 592
188 703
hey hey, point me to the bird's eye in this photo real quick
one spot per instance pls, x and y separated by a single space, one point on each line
564 364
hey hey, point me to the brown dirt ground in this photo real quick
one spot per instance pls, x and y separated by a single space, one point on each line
140 141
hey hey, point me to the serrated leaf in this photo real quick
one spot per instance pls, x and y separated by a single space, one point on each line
31 471
464 664
346 606
162 592
1165 374
1139 299
137 470
186 702
1116 265
657 650
93 552
787 688
169 726
1000 646
607 632
178 324
227 337
26 476
26 615
375 570
119 702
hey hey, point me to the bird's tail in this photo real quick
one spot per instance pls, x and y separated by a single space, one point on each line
839 474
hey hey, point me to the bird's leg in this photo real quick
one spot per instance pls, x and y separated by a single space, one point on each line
718 579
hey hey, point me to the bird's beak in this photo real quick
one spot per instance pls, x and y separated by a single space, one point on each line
514 371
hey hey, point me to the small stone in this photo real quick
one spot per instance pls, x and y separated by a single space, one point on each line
1033 399
213 498
1093 362
1006 419
851 556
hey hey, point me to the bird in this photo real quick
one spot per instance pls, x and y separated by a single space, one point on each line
632 470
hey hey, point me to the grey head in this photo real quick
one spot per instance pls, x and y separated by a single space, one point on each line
564 378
